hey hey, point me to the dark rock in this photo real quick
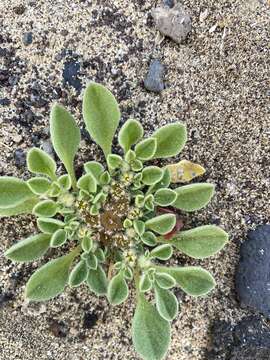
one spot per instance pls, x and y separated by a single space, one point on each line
175 22
20 158
19 10
253 273
248 340
27 38
58 328
154 79
169 3
90 320
5 102
71 72
5 297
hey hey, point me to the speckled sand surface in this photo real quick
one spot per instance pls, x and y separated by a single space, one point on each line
217 83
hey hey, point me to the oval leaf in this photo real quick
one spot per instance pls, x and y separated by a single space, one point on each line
162 224
150 332
13 192
97 281
29 249
39 185
39 162
101 115
200 242
66 138
95 168
167 303
48 225
171 139
88 183
162 252
117 289
58 238
78 274
194 196
145 283
165 281
130 133
146 149
165 197
46 208
151 175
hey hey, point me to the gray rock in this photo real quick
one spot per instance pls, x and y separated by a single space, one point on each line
20 158
154 79
253 273
48 148
71 74
169 3
175 22
27 38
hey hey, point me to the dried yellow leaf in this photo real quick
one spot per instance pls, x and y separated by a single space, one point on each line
185 171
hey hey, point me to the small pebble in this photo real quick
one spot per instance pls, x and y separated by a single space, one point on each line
19 10
5 102
27 38
169 3
154 79
71 72
20 158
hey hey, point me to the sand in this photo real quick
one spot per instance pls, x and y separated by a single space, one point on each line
217 83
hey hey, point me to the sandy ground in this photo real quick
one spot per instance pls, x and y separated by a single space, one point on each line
217 83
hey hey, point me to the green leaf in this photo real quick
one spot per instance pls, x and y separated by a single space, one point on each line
130 156
167 304
149 238
171 139
146 149
165 197
88 183
161 224
25 207
87 244
39 162
65 182
194 280
78 274
163 183
130 133
200 242
145 283
114 161
97 281
39 185
162 252
92 261
13 192
95 168
29 249
136 165
66 138
139 226
99 253
50 280
54 190
101 115
48 225
151 175
58 238
194 196
105 178
150 332
165 281
45 208
117 289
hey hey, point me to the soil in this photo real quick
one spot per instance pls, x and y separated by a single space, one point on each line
216 83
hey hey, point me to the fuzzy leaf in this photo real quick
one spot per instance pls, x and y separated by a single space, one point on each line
39 185
165 197
29 249
13 192
65 182
48 225
184 171
163 183
139 226
200 242
101 115
66 138
167 303
151 175
194 196
145 283
136 165
25 207
59 237
162 252
146 149
45 208
78 274
171 139
88 183
39 162
92 261
114 161
130 133
87 244
150 332
161 224
49 280
193 280
95 168
149 238
165 281
97 281
117 289
105 178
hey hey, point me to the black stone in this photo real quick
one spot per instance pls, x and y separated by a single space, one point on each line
27 38
154 79
90 320
253 272
5 297
5 102
71 72
20 158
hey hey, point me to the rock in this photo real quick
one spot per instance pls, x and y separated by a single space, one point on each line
169 3
253 272
48 147
71 72
5 102
19 10
90 320
58 328
27 38
20 158
248 340
154 79
174 23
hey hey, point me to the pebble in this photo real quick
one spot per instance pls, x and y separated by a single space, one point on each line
90 320
70 74
20 158
169 3
174 23
27 38
154 78
253 272
5 102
